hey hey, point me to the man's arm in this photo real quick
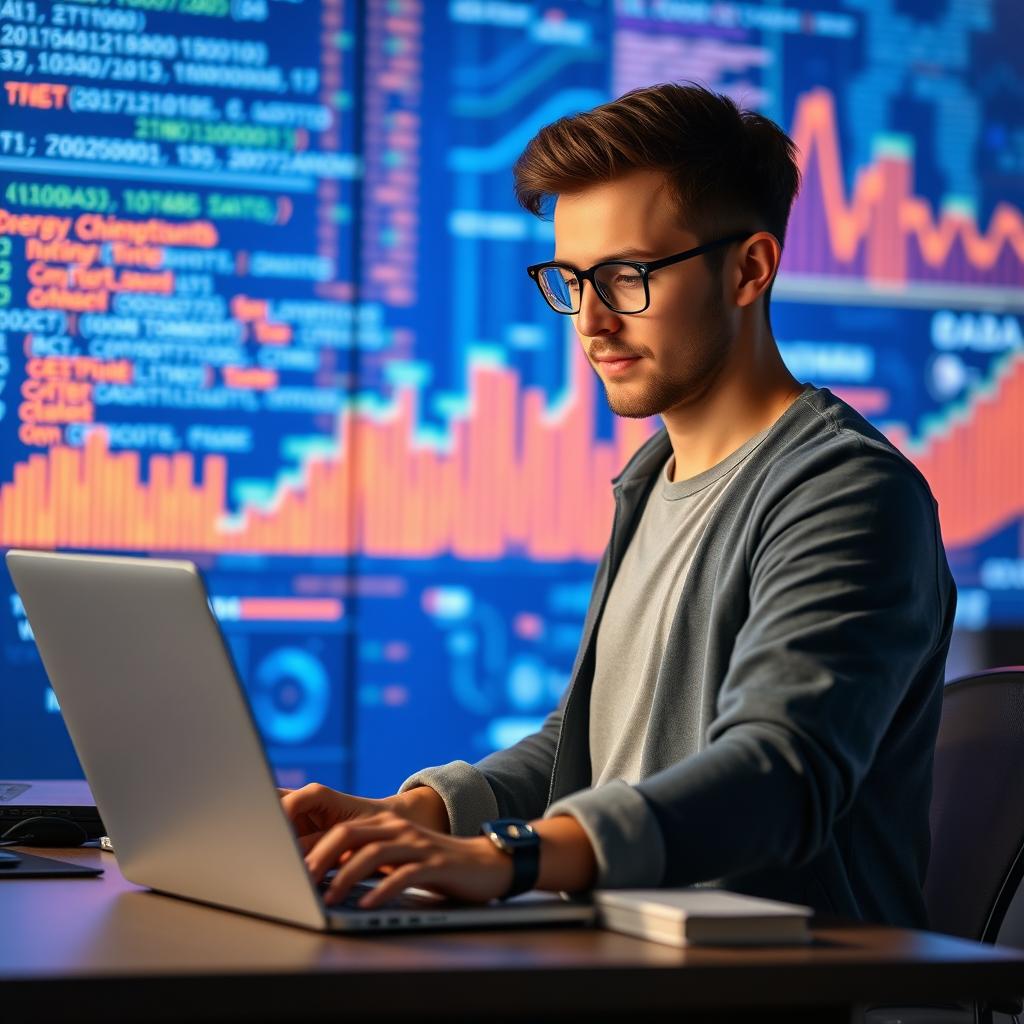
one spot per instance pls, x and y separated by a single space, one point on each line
424 806
567 861
849 594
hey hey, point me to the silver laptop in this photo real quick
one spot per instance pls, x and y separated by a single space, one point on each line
169 746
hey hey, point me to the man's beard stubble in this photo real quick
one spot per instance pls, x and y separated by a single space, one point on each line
708 348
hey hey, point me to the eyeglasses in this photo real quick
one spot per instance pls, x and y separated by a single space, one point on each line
622 285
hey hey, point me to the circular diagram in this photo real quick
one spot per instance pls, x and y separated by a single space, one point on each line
290 694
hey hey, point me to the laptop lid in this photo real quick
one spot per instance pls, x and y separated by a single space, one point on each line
164 732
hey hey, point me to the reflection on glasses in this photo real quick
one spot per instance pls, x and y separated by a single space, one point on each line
622 285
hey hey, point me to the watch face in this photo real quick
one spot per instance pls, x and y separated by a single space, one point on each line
513 834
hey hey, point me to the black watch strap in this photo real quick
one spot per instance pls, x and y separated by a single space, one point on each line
515 837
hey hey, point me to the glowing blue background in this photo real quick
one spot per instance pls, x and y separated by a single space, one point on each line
397 686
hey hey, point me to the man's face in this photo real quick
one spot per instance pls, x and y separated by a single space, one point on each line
671 353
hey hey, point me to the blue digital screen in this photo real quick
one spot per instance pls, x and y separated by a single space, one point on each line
263 305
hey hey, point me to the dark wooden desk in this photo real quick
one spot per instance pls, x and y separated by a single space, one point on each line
89 949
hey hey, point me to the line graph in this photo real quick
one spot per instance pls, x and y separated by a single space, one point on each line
884 235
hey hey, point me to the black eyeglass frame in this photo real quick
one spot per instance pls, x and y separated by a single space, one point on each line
645 269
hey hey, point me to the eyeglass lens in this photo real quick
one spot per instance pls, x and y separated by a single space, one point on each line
619 284
560 288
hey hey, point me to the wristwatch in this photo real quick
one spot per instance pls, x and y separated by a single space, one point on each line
515 837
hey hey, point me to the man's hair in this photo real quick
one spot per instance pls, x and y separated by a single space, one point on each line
729 169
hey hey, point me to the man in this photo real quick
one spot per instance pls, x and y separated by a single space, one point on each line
757 690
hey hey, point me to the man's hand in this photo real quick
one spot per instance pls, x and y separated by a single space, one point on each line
314 809
410 854
474 870
405 838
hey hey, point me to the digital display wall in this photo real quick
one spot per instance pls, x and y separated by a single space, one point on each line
263 305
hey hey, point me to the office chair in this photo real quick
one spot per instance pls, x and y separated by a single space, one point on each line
977 824
977 812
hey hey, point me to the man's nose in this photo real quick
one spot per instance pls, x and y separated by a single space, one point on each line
595 317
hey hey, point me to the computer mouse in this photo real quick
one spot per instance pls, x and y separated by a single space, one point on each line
48 831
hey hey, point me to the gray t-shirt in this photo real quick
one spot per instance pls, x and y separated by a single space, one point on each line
633 632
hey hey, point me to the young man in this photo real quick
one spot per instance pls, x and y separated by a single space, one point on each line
757 689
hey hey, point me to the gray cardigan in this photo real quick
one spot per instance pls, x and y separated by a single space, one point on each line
789 752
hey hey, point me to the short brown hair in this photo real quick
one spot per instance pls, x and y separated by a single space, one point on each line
729 169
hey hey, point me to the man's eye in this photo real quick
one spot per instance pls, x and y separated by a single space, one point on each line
627 280
571 283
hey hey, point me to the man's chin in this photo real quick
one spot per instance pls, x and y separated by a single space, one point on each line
632 412
633 407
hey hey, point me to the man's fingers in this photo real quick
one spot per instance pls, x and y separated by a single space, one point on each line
326 853
308 841
315 807
299 801
417 873
311 808
366 861
295 807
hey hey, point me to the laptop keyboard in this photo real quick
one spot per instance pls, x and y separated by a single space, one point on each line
405 901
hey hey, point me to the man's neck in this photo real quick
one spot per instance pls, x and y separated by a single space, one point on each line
748 396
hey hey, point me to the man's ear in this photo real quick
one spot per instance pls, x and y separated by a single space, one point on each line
757 262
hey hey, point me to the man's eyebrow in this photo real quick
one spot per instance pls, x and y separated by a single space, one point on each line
629 253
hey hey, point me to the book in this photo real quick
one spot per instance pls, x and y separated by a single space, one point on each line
702 916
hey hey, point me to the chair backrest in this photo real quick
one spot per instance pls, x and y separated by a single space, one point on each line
977 811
